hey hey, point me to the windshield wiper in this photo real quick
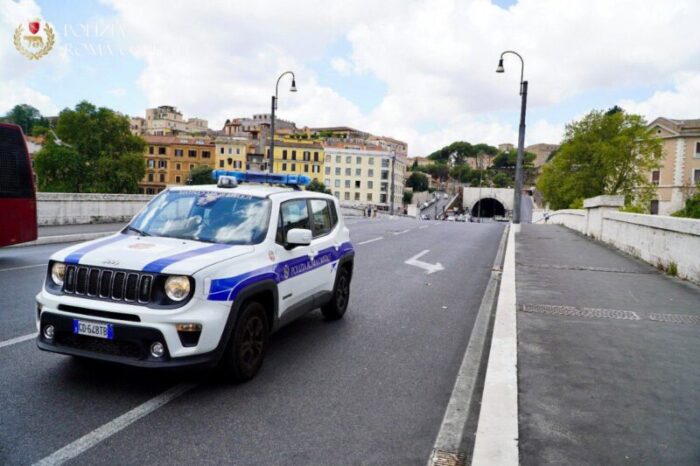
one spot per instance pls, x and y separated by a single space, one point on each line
136 230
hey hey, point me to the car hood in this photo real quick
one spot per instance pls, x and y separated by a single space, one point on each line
150 254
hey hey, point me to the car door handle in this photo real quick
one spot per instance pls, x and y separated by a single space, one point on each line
313 254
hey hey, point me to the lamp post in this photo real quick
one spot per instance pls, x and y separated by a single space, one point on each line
271 158
517 196
393 161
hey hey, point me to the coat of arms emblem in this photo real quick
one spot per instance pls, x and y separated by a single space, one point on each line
34 39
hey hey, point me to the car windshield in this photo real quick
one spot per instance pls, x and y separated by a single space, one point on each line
207 216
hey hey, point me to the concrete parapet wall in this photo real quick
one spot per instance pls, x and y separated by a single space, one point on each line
670 243
70 208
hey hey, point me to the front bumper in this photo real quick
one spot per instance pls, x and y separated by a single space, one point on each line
130 346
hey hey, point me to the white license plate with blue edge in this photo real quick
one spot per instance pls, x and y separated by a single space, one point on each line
93 329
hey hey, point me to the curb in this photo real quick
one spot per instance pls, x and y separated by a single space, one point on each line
56 239
497 432
452 445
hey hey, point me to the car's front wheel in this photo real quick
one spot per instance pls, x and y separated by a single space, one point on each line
338 304
246 350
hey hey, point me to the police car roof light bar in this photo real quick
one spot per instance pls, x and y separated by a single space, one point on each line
261 177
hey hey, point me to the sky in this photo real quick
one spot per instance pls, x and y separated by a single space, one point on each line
422 71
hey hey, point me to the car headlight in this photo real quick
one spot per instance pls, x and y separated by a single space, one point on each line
58 273
177 287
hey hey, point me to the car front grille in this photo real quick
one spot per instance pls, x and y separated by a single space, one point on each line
108 284
125 349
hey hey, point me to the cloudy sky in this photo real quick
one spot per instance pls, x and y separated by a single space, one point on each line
418 70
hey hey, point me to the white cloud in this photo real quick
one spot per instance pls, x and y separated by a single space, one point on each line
681 102
436 57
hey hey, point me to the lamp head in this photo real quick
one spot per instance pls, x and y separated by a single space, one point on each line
499 68
294 86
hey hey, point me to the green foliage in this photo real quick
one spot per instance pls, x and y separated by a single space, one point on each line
200 174
508 159
418 181
603 153
25 116
97 153
407 197
691 209
318 187
461 150
437 170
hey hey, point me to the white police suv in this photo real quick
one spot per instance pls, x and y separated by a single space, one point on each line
201 276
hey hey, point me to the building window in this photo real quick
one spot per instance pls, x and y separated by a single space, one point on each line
177 179
369 196
337 194
162 178
221 151
206 154
697 149
348 172
337 170
221 164
382 198
348 159
358 172
150 149
192 153
151 163
284 167
284 154
230 151
370 172
654 207
357 183
178 166
328 170
178 152
327 182
315 169
347 183
315 156
191 166
371 161
370 184
162 164
337 159
238 151
655 175
294 167
306 168
294 155
358 160
385 163
150 177
357 196
696 176
337 183
346 195
161 151
307 156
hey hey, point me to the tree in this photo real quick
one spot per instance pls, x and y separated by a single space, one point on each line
418 181
508 159
603 153
109 157
407 197
318 187
25 116
200 174
692 207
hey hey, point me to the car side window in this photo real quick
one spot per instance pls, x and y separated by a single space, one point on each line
322 219
293 214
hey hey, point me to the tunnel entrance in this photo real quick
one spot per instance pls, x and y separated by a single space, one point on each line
489 208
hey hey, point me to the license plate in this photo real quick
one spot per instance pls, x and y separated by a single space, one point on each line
93 329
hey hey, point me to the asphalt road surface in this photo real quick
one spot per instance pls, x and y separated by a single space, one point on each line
369 389
437 207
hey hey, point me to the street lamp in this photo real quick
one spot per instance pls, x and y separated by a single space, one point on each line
271 158
517 196
393 162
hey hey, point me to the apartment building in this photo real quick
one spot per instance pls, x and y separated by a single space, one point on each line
362 174
299 157
542 152
679 174
231 153
167 120
169 160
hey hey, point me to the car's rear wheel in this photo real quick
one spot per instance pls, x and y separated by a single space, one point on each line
336 308
246 350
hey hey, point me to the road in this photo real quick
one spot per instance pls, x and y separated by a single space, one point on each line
437 207
369 389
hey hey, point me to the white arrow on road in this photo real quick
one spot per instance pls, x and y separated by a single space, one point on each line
429 268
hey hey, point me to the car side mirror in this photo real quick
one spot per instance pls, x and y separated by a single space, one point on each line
298 237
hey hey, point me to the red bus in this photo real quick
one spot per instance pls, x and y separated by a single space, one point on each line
17 192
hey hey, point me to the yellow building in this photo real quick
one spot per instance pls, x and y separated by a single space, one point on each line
231 153
679 174
363 175
169 160
299 157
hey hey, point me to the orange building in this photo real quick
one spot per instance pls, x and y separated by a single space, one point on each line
169 160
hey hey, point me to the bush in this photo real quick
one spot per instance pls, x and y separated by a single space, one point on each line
691 209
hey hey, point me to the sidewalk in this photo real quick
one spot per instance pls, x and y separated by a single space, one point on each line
56 230
608 355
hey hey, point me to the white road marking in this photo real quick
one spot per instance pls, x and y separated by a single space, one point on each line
429 268
371 240
402 232
23 267
105 431
12 341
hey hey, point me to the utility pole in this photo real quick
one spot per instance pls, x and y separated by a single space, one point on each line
271 157
393 162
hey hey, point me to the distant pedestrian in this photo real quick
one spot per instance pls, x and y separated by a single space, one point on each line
546 217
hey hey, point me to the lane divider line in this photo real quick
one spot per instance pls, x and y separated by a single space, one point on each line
371 240
12 341
402 232
105 431
24 267
496 439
